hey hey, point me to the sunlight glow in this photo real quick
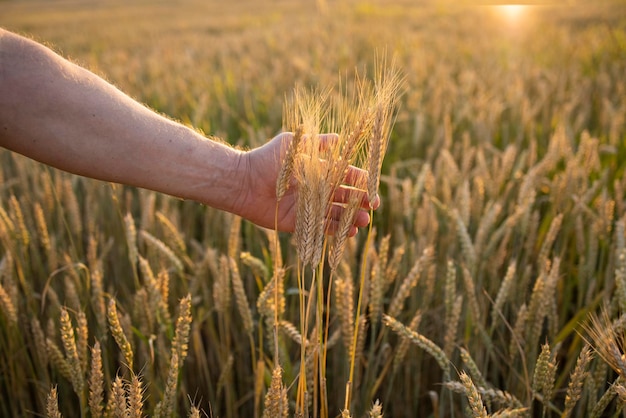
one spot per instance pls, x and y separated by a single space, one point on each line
512 12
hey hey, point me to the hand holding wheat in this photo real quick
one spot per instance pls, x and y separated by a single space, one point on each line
263 167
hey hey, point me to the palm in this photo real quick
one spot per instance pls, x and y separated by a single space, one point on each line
259 203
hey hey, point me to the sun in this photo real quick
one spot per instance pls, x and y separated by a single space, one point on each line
512 12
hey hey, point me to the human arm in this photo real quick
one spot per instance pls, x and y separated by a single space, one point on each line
60 114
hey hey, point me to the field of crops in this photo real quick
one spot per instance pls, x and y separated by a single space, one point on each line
492 282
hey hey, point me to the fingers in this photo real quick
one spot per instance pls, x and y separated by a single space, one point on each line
353 186
355 180
327 140
361 220
344 193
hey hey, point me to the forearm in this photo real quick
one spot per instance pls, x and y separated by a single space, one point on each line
58 113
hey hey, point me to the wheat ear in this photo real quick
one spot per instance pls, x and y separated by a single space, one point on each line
155 293
476 403
162 248
118 333
545 372
409 282
118 401
8 307
135 397
165 406
40 341
58 360
344 299
607 341
377 410
52 404
276 404
577 379
243 306
96 383
18 215
422 342
287 166
71 351
183 326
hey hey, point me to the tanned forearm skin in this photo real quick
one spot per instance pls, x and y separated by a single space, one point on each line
63 115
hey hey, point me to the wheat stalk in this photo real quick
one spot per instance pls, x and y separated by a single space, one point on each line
257 266
40 341
470 291
97 295
344 299
118 401
376 292
577 379
287 166
243 306
162 248
155 292
377 410
544 375
172 233
345 224
476 403
165 406
72 208
96 383
607 340
183 326
422 342
409 282
472 367
71 351
118 334
135 397
291 331
58 360
82 337
503 293
18 216
8 307
131 238
276 405
404 345
44 236
52 404
221 286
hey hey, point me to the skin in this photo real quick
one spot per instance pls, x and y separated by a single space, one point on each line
58 113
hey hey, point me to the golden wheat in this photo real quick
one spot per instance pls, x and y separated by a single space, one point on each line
52 405
96 383
118 333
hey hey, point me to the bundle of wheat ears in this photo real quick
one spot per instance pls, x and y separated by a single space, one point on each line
323 168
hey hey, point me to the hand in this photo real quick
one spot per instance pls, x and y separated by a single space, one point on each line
258 201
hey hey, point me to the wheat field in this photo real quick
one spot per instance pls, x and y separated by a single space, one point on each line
492 282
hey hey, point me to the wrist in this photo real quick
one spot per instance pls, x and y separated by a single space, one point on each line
242 191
